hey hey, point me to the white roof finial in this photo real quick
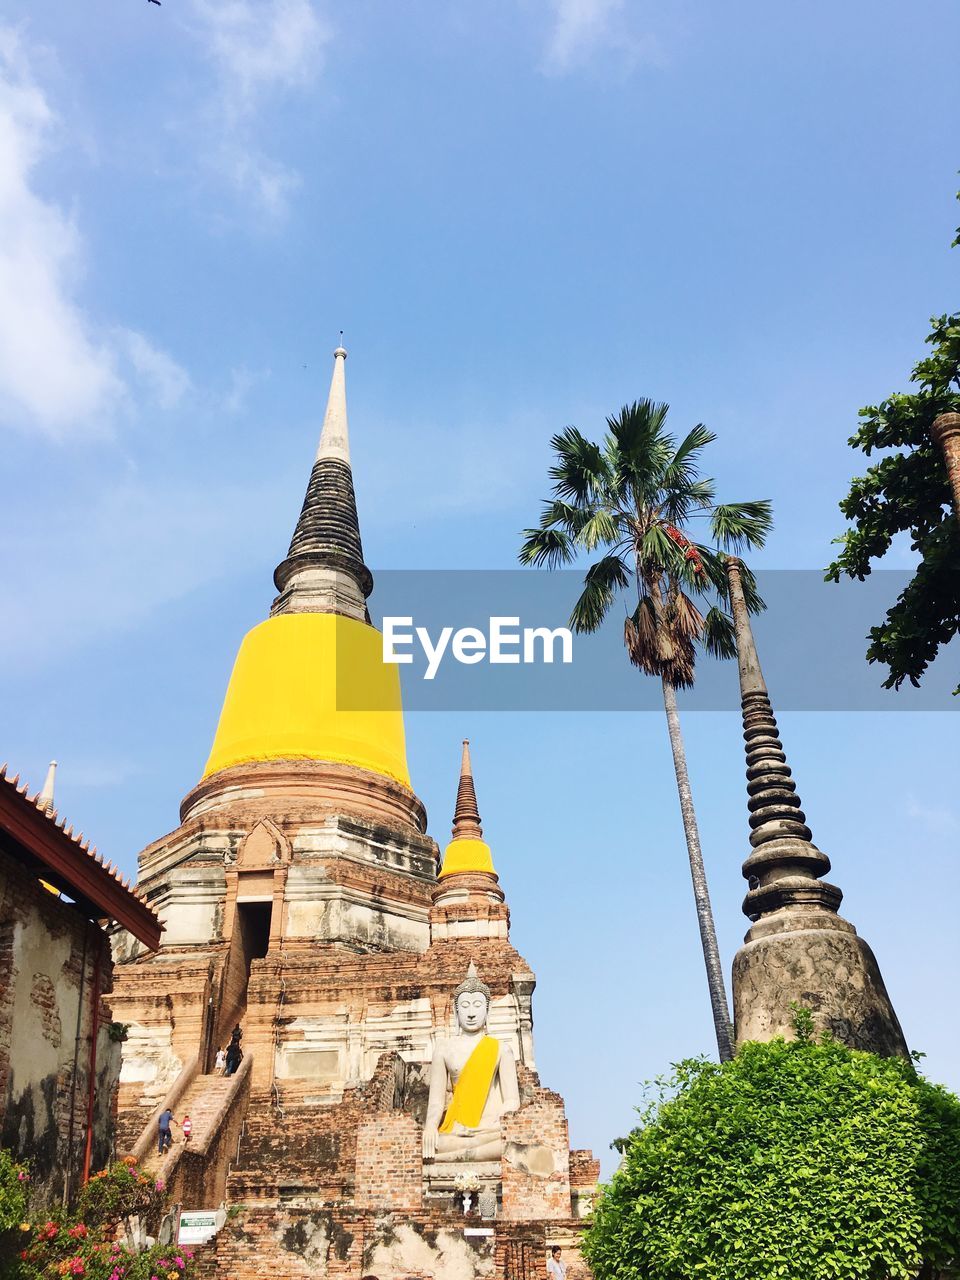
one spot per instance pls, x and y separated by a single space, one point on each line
45 798
334 438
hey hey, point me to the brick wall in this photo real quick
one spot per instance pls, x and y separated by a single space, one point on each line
336 1243
389 1162
536 1160
47 955
584 1170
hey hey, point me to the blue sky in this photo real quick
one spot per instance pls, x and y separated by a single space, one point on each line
522 214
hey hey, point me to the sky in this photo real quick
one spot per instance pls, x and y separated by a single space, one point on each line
522 214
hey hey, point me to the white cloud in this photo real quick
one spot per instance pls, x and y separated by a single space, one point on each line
167 382
242 382
267 182
59 371
581 28
54 371
260 46
260 49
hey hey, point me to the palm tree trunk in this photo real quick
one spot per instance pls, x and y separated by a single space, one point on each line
708 933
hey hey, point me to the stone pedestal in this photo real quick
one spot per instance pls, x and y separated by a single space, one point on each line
440 1179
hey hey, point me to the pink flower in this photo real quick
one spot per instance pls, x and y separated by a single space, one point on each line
180 1262
160 1184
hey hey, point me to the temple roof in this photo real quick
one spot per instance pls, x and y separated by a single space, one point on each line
31 832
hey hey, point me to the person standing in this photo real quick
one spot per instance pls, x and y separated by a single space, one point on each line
220 1065
187 1128
556 1269
234 1056
164 1136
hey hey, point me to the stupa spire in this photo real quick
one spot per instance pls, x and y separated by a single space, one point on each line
466 815
309 682
324 570
335 435
785 863
467 850
44 800
799 950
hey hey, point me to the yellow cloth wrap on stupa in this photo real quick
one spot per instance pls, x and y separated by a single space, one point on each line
292 694
466 855
473 1087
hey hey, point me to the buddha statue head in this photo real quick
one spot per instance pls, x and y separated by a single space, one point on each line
472 1001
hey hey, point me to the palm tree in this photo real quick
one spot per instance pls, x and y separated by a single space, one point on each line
635 496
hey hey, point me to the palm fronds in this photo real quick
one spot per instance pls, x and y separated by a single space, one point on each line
739 525
633 497
602 582
718 637
580 471
550 547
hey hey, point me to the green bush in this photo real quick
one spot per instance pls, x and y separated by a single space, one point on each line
802 1160
14 1186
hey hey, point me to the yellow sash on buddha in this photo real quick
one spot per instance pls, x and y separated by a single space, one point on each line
472 1088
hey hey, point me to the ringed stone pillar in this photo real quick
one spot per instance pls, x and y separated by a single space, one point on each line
799 949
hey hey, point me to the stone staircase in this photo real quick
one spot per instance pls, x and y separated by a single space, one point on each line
202 1102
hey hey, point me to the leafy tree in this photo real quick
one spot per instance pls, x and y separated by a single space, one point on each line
908 491
795 1159
636 496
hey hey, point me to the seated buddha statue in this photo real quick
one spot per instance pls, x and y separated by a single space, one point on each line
480 1073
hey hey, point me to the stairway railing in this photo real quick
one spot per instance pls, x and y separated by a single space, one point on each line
148 1137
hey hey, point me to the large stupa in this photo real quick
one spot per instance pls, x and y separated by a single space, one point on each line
384 1017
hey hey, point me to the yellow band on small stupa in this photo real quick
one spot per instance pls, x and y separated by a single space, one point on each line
467 855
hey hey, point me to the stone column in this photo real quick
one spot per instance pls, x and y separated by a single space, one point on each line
279 906
946 435
798 948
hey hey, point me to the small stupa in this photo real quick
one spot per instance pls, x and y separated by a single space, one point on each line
798 950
